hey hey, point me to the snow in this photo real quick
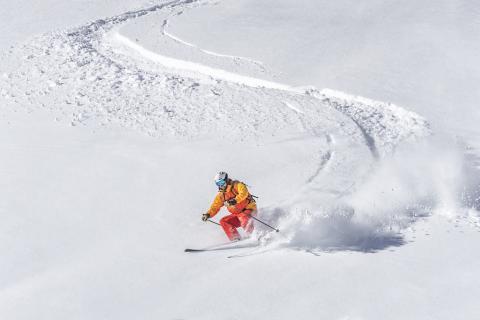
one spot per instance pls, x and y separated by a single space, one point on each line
198 68
418 54
24 18
111 131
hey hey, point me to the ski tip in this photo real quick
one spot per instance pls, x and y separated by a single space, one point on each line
195 250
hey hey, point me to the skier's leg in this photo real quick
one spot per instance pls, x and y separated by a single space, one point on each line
230 224
246 221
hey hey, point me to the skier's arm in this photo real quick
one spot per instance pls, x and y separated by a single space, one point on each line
242 192
216 205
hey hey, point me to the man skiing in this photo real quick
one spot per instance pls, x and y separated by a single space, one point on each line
239 202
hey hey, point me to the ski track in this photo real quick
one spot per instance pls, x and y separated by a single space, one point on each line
288 104
100 70
325 159
211 53
199 68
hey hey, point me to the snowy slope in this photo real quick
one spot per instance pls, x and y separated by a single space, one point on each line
23 18
420 54
110 135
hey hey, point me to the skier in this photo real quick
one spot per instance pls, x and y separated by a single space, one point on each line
235 196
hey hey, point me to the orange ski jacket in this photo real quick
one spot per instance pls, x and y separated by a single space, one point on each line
235 190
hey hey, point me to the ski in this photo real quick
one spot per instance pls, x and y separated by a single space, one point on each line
261 247
256 242
196 250
247 254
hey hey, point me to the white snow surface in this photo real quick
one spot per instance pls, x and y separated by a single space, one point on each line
111 131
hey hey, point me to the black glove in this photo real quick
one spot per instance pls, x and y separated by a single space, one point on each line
205 216
232 202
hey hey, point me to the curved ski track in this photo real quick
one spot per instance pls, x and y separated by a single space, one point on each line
184 99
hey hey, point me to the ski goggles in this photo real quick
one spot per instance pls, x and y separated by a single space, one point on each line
220 183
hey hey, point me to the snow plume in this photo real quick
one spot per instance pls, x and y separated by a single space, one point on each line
420 179
364 205
416 179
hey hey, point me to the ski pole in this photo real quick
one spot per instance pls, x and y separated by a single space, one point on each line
264 223
214 222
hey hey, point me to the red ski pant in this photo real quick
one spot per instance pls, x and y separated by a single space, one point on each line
233 221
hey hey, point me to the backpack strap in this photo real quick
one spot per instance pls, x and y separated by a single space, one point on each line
234 184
